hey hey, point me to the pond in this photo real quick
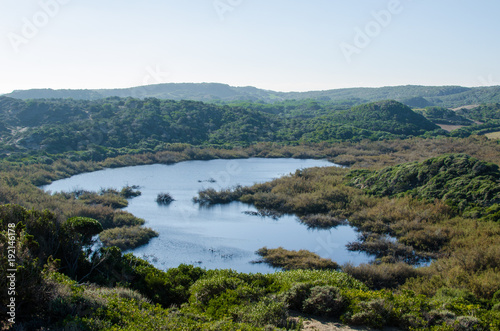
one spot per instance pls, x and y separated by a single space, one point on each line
222 236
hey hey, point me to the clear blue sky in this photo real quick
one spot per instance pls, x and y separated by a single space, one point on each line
284 45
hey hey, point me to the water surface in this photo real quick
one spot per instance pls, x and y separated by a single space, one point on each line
221 236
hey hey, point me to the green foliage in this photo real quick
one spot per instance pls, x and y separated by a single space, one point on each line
483 112
440 115
477 129
389 116
127 237
85 226
460 180
96 130
325 301
130 192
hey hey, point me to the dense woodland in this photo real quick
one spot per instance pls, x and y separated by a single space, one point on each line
425 202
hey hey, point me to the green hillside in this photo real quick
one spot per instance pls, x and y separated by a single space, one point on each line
412 95
458 179
389 116
109 125
440 115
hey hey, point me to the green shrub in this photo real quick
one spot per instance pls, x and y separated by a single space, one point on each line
439 317
122 218
324 301
466 323
207 288
286 279
127 237
296 295
267 311
130 192
375 313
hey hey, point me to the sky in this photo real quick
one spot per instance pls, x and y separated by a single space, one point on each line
281 45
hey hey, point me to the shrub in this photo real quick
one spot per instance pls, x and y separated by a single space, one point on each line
268 311
322 221
296 295
207 288
466 323
164 198
123 218
324 301
438 317
130 191
302 259
375 313
385 275
127 237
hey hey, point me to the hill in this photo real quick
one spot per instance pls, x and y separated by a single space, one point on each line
412 95
389 116
64 125
462 181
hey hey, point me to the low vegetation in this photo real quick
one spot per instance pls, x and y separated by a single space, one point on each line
164 198
127 237
302 259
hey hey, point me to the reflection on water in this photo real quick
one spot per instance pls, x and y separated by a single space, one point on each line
222 236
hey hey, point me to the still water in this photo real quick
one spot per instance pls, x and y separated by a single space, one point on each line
221 236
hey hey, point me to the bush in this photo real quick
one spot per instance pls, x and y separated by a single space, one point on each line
265 312
127 237
123 218
130 192
164 198
466 323
302 259
375 313
322 221
295 296
439 317
385 275
324 301
206 289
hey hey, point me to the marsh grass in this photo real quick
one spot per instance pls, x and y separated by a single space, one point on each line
302 259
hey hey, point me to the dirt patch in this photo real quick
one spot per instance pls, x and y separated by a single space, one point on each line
493 135
450 127
466 107
316 323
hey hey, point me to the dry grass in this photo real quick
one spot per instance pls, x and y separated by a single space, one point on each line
493 135
450 128
302 259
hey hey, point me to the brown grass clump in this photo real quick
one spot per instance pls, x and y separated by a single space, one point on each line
288 260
